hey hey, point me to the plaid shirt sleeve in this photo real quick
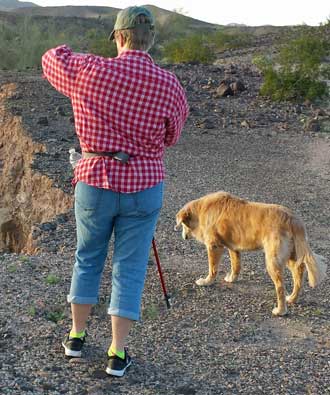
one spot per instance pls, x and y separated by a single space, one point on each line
60 67
175 122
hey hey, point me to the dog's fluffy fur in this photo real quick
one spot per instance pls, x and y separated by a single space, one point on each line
222 220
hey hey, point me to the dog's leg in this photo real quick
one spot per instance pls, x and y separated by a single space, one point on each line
275 270
297 272
214 253
235 260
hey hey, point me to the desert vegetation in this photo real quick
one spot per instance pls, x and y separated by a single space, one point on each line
294 69
298 72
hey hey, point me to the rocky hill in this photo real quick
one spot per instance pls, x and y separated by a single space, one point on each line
9 5
183 24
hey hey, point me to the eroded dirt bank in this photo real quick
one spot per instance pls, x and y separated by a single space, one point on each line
26 197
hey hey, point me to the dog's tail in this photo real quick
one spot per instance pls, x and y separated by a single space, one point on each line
316 268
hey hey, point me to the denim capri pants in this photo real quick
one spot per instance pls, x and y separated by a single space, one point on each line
132 217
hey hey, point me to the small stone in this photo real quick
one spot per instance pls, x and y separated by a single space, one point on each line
319 112
60 111
205 124
99 374
185 390
77 361
237 86
312 125
245 124
224 90
43 121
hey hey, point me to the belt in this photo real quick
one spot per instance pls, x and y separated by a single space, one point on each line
118 155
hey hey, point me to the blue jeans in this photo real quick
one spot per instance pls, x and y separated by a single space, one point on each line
132 217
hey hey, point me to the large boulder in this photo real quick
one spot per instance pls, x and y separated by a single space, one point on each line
224 89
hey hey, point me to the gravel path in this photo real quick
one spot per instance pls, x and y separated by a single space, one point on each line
216 340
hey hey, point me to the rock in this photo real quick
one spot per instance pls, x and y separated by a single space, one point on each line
43 121
60 111
6 224
205 124
36 232
319 112
99 374
325 125
231 69
224 89
16 110
245 124
47 226
77 361
312 125
237 86
185 390
297 109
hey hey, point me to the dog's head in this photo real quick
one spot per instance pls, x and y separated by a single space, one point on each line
188 220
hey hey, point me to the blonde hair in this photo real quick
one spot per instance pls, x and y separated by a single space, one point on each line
141 36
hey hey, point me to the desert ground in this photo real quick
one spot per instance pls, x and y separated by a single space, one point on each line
220 339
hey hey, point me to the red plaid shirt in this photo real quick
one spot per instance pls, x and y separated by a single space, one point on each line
124 104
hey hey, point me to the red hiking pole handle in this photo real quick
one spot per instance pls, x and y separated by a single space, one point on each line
167 298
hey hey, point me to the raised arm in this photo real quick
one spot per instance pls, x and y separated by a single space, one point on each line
60 67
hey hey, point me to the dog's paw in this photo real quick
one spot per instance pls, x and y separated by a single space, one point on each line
230 278
279 312
203 282
290 299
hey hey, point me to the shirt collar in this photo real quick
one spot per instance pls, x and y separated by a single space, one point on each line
136 53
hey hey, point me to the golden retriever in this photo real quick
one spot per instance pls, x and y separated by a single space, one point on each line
222 220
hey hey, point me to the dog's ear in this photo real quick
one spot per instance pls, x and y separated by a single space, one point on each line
183 217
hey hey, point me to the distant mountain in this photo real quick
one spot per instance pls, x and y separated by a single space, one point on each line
9 5
69 11
162 16
236 24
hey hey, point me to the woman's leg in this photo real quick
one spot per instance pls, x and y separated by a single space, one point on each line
134 229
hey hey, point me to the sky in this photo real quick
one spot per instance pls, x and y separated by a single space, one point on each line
248 12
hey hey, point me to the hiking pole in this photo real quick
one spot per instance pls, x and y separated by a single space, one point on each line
167 298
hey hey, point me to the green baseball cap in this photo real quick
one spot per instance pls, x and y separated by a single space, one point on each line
126 19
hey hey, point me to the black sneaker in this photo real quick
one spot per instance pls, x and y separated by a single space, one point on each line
117 366
73 346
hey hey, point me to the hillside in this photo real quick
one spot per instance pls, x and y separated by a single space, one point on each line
169 24
8 5
69 11
162 16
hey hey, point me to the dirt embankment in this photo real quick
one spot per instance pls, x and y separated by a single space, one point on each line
26 197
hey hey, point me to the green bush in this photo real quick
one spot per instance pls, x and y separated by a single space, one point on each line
296 73
191 49
222 41
22 45
100 45
52 279
55 316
